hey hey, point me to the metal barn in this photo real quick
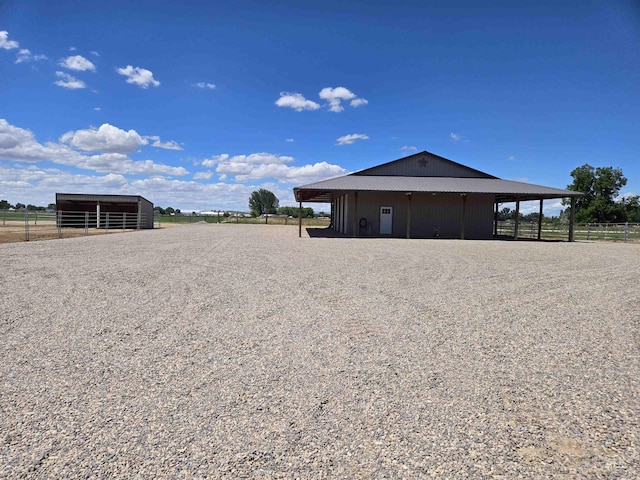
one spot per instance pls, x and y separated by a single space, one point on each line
423 196
104 211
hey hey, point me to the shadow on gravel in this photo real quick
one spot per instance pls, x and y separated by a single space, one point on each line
324 233
330 233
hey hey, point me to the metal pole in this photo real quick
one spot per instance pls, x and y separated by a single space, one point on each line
516 225
408 215
540 220
300 220
26 225
626 231
572 216
59 223
464 215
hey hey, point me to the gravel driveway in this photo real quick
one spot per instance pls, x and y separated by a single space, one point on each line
244 351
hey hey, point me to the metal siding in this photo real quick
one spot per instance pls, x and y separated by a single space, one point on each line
424 166
479 218
428 211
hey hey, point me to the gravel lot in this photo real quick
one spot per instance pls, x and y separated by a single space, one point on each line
245 351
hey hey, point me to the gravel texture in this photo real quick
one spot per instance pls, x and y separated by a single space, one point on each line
244 351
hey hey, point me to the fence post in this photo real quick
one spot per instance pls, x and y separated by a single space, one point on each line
626 231
106 229
59 223
26 225
86 223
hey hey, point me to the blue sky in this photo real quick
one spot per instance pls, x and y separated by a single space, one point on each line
196 104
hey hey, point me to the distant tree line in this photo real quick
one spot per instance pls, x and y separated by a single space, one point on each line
5 205
166 211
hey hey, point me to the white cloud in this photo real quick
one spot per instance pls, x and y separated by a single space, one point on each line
19 144
296 101
359 102
349 139
334 97
407 148
203 175
455 137
5 43
68 81
138 76
107 139
258 166
289 140
511 157
72 49
207 85
170 145
25 55
77 63
94 53
97 109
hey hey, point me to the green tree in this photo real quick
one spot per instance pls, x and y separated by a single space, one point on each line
601 187
4 205
263 201
169 210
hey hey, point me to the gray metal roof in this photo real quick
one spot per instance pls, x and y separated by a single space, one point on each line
505 190
89 197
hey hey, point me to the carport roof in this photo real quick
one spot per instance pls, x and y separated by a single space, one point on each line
504 190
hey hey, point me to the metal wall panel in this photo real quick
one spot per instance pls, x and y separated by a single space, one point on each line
424 165
432 216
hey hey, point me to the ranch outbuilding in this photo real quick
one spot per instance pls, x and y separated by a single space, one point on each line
424 196
104 211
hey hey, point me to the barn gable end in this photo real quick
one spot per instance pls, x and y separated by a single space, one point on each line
424 164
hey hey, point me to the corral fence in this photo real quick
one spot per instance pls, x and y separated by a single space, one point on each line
608 232
242 217
38 225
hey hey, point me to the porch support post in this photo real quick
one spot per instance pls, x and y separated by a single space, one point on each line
540 220
409 215
98 215
332 219
355 214
464 215
300 220
572 217
495 219
516 225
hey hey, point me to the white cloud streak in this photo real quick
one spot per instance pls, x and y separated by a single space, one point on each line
206 85
77 63
25 55
349 139
157 143
335 96
19 144
139 76
68 81
296 101
5 43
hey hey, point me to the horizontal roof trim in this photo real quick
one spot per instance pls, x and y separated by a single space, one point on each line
505 190
82 197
